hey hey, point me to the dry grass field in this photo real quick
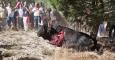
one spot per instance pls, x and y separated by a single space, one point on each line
20 45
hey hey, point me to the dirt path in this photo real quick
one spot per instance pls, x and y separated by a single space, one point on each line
20 45
15 45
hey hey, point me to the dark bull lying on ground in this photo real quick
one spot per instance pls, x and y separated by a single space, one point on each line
77 40
66 37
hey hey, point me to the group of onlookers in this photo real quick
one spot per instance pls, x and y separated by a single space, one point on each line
23 16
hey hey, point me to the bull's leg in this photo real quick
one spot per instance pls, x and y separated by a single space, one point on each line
99 49
66 44
71 45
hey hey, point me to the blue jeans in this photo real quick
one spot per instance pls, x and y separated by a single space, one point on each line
37 20
10 20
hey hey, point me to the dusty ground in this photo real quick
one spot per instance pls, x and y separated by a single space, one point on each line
20 45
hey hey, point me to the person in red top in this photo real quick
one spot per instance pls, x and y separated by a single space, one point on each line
18 4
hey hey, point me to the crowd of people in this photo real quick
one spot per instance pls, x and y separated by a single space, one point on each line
24 16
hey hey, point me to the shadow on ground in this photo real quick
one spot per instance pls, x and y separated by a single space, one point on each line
28 58
7 46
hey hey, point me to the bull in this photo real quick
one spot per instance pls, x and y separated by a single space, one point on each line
71 38
77 40
66 37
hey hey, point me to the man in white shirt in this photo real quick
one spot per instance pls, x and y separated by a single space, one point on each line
9 15
20 18
9 9
35 11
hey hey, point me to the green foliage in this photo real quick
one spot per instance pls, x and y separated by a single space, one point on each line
93 10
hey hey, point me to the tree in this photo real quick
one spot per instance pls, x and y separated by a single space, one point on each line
90 11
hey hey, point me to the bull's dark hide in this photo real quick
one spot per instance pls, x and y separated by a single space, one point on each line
104 42
46 32
77 40
112 45
72 39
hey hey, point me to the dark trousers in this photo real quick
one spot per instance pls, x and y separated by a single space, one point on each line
20 22
37 20
10 20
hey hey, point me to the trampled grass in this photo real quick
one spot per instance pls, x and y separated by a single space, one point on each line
65 54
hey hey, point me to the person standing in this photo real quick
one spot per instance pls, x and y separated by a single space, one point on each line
102 29
20 17
2 12
10 13
25 17
31 6
41 15
15 22
35 10
18 3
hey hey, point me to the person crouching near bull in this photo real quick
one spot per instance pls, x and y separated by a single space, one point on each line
25 17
